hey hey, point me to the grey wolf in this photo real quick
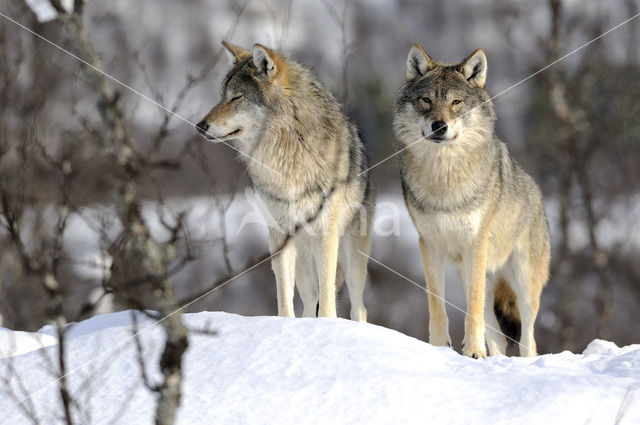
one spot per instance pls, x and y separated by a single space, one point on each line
471 204
278 114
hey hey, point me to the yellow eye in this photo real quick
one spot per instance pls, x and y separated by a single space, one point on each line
456 102
426 100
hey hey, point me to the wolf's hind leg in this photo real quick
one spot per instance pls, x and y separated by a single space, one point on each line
528 309
433 264
307 280
496 341
354 251
527 299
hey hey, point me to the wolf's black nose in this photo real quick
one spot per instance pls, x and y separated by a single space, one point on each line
202 127
439 128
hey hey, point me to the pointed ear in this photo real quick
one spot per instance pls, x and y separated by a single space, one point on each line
474 68
264 60
237 52
418 63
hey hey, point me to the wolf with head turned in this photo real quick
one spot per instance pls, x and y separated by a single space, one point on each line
306 162
471 204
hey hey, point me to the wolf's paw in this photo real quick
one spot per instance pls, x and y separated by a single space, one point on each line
477 353
440 342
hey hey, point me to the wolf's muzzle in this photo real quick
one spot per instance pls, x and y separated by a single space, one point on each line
202 127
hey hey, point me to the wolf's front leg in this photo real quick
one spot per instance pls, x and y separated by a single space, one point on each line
284 267
475 275
326 255
433 264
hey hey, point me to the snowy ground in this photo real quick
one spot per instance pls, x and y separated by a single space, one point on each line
270 370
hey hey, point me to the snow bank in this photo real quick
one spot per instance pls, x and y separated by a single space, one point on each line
14 343
266 370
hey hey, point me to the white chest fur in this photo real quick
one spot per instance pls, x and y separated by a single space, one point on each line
453 231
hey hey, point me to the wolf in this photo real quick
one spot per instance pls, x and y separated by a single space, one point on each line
307 163
471 204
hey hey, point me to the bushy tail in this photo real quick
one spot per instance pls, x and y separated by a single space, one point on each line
506 310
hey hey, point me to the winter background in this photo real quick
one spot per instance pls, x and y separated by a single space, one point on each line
242 367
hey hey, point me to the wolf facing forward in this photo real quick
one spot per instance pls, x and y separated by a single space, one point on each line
305 161
471 204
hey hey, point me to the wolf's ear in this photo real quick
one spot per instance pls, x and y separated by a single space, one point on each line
474 68
418 63
237 52
264 60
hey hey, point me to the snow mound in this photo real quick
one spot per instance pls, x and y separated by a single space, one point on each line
15 343
96 323
266 370
599 346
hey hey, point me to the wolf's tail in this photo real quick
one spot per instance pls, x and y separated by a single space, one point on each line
506 310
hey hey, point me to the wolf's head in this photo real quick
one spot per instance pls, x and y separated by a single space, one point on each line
445 104
246 89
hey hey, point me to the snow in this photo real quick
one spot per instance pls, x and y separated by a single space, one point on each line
45 12
15 343
266 370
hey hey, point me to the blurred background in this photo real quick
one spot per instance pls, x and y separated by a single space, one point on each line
574 127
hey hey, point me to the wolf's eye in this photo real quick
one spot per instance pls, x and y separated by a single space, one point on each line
456 102
426 100
238 97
